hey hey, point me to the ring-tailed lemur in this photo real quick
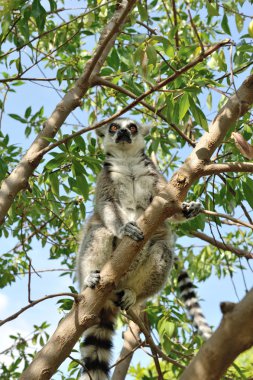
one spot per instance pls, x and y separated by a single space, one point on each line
125 188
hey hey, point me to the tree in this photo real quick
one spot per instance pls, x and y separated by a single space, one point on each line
161 63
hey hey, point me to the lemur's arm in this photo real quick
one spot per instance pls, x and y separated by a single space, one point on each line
189 210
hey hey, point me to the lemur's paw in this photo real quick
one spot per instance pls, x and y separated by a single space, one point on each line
191 209
92 279
126 298
132 230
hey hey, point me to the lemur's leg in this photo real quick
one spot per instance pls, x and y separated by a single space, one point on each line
149 276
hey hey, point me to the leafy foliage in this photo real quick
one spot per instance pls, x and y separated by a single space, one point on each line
48 43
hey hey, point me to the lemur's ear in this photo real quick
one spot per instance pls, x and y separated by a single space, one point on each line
100 132
145 129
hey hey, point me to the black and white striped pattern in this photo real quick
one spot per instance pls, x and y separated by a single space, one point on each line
188 294
96 347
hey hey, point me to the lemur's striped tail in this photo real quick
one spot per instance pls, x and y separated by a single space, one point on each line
96 346
190 299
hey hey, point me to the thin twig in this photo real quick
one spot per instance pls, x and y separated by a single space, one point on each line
225 216
29 279
235 71
195 29
150 341
235 167
220 245
48 270
33 303
175 23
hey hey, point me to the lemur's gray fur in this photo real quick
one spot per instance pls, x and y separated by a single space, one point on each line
125 188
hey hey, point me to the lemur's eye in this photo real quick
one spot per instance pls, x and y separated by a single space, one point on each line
113 128
133 128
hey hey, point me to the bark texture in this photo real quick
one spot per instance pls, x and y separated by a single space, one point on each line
131 342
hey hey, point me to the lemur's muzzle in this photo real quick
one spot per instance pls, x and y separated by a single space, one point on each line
123 135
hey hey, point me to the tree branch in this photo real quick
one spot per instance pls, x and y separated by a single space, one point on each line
228 217
33 303
223 246
233 336
175 23
131 343
229 167
195 29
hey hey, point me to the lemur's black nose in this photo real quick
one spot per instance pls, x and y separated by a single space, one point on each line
123 135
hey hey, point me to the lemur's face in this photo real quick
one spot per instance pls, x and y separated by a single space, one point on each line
123 134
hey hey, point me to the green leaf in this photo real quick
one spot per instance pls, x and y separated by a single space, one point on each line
152 55
138 54
73 290
5 25
80 142
165 328
24 28
55 162
77 168
39 13
72 365
170 105
3 168
170 328
54 182
53 5
184 105
66 304
212 10
142 11
42 341
209 100
221 59
17 117
248 191
113 59
83 186
239 20
28 112
224 24
198 114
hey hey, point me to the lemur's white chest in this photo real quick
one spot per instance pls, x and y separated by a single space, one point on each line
134 184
